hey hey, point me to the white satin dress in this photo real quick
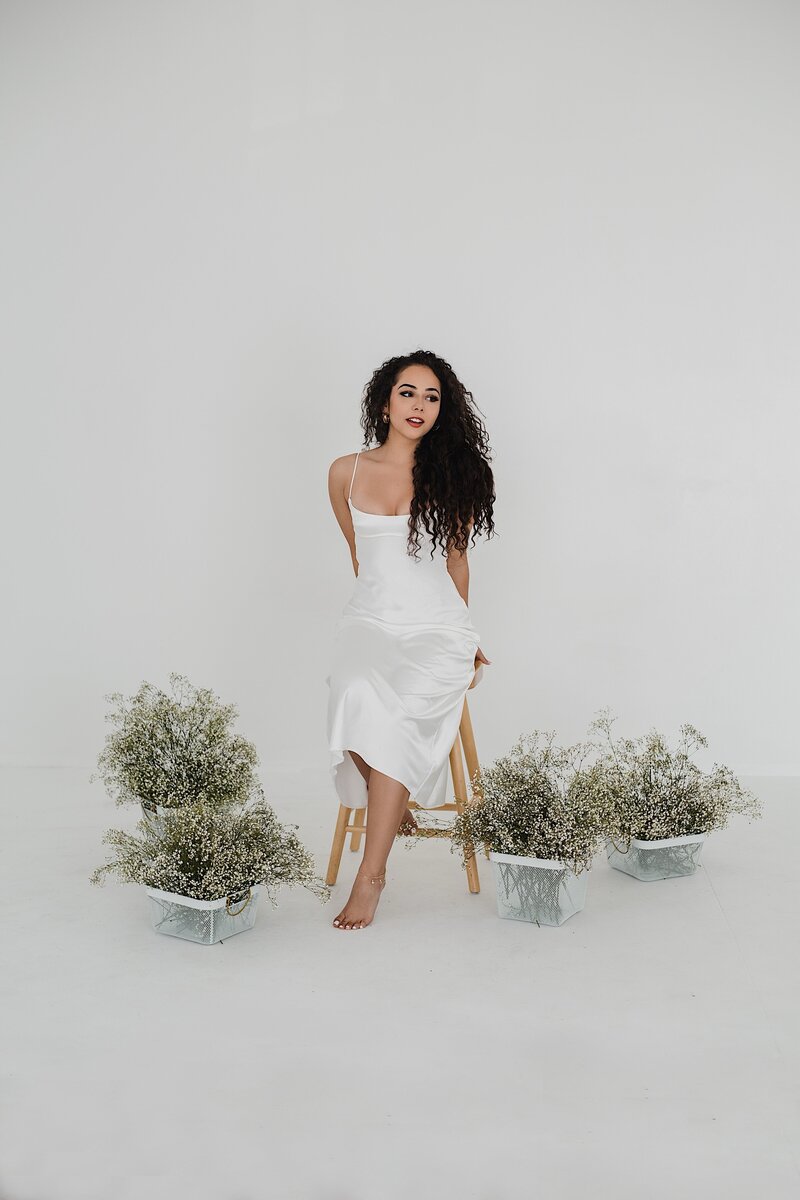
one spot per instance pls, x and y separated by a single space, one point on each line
403 660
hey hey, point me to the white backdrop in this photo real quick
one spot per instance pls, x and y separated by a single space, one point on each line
218 219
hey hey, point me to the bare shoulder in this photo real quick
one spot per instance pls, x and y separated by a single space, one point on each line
339 474
340 464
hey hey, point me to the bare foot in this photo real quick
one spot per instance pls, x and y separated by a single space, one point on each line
364 897
408 825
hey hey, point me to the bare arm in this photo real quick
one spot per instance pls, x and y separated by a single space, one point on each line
341 469
458 569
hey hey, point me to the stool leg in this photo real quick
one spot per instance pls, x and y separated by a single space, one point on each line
338 845
460 788
468 741
470 753
359 818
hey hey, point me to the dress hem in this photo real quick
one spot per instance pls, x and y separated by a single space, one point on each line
340 757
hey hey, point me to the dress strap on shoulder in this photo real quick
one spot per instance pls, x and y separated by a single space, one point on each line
352 477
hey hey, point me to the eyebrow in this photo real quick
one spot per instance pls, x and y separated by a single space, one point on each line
411 385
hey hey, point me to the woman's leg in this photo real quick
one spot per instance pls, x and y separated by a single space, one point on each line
387 802
407 823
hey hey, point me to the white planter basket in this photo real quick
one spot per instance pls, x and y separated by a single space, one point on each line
205 921
661 858
542 890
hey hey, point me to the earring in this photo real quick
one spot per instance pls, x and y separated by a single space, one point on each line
385 417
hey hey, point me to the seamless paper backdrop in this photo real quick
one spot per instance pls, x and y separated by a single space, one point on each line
218 219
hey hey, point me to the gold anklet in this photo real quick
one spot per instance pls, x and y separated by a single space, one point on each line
374 878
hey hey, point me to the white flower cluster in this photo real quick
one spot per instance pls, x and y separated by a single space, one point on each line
217 836
541 800
172 750
657 793
206 852
546 801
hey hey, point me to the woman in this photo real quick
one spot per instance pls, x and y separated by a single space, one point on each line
405 649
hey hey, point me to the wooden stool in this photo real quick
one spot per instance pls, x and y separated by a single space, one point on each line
464 743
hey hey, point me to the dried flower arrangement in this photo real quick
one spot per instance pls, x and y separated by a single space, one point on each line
541 800
172 750
657 793
204 852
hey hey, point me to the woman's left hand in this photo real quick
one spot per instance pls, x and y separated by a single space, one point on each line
480 657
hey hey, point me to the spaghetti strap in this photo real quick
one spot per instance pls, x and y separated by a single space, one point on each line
352 477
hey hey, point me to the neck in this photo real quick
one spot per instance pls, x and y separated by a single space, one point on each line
398 451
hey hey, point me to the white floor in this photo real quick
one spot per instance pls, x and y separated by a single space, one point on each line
647 1048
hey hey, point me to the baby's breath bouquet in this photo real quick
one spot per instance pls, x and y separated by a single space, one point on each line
205 852
171 750
540 800
656 793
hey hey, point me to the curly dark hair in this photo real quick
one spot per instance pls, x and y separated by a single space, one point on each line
453 482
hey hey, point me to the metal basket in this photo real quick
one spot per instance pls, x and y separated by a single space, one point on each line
662 858
205 921
542 890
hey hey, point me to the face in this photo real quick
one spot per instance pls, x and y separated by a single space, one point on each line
416 395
